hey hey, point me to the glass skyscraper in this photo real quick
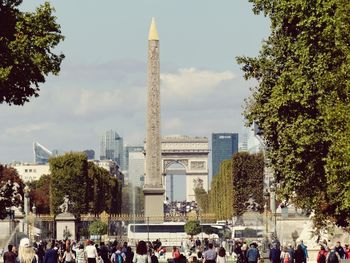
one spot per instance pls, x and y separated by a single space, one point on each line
111 147
41 154
224 145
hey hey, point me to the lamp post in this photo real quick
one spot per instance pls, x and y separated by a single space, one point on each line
273 207
266 230
10 215
26 207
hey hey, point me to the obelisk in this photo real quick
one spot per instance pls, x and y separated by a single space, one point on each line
153 188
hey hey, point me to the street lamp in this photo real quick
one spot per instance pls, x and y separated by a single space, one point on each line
266 232
26 207
273 207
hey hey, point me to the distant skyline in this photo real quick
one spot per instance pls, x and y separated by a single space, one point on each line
102 84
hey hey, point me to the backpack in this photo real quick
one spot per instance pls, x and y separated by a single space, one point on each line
332 258
118 258
322 258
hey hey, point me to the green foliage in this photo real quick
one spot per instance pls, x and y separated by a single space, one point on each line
9 180
248 181
202 200
302 102
221 193
90 188
69 174
40 194
98 228
192 228
27 40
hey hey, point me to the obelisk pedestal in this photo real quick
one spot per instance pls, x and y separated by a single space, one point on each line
153 189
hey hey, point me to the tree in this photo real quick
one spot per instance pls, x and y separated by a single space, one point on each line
98 228
89 188
11 190
202 199
69 174
26 57
248 181
192 228
40 194
302 102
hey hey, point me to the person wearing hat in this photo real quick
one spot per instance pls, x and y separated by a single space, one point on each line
26 253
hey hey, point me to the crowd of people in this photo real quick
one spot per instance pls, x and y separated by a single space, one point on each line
150 252
327 253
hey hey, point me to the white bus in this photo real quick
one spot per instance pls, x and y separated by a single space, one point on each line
171 233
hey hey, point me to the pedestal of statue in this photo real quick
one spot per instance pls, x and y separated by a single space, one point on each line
65 226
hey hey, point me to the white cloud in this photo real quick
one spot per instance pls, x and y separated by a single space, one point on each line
173 124
26 128
192 82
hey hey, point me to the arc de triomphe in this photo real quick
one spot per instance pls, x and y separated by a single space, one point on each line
192 154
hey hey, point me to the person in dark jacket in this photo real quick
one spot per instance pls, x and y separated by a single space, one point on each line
299 255
253 253
104 252
9 256
291 253
275 254
51 255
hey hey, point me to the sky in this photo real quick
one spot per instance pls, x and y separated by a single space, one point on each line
102 83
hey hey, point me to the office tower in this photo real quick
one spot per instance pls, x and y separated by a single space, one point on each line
111 147
224 145
136 168
243 144
41 154
130 149
90 154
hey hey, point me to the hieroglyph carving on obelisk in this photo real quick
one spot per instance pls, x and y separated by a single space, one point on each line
153 177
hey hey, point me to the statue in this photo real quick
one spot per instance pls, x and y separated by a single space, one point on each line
197 183
252 205
65 205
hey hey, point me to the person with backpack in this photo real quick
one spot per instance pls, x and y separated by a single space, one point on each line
285 257
333 256
118 256
322 255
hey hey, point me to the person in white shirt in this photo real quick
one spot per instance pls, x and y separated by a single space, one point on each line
91 252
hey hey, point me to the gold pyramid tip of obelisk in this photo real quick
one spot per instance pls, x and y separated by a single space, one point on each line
153 33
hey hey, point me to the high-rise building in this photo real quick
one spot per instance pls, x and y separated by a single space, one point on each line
130 149
243 144
136 170
90 154
111 147
224 145
41 154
